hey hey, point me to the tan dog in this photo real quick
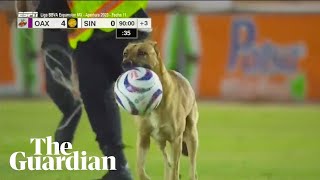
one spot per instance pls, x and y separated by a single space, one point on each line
174 120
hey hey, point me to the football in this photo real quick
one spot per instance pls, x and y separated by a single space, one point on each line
138 91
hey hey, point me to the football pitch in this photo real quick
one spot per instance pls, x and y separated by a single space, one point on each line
237 141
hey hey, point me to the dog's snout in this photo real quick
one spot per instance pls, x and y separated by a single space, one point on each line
127 64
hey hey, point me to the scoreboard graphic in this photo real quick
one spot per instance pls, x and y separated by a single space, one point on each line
126 28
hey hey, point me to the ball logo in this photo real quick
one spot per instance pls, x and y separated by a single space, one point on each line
139 99
134 75
72 23
57 158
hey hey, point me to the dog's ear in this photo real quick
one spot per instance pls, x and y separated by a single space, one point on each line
129 45
153 43
155 47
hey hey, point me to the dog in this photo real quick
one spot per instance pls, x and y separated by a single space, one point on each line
173 121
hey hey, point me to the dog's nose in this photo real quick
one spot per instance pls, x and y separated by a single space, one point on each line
127 64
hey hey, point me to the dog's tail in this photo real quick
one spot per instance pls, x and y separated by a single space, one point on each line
184 149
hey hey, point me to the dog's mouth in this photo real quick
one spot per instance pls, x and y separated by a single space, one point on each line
147 66
127 65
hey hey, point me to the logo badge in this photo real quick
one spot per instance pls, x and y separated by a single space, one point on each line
22 22
72 23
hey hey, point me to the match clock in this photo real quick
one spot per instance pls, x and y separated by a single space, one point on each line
127 34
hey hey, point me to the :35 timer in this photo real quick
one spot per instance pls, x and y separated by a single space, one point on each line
127 34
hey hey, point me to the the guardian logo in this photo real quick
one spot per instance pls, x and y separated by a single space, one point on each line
56 158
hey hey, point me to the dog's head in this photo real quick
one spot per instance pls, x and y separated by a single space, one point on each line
142 54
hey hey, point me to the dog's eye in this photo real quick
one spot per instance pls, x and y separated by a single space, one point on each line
125 54
141 53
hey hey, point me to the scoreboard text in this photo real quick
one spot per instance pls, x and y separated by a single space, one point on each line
31 20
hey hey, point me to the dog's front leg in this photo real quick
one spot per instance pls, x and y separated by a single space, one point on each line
143 146
176 154
167 164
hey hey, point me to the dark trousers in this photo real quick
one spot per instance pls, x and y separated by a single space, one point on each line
99 65
55 44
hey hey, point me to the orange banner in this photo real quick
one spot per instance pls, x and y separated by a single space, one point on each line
7 76
256 57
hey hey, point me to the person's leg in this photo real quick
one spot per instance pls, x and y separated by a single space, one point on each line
27 59
95 85
30 64
171 42
97 73
98 66
113 49
58 56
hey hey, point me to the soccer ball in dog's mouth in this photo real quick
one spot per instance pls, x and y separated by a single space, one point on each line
138 91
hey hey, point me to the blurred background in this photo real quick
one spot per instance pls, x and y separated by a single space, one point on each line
230 50
255 66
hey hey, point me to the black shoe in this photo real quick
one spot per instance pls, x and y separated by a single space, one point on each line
123 174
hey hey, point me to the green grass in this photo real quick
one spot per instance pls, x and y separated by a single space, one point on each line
237 142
